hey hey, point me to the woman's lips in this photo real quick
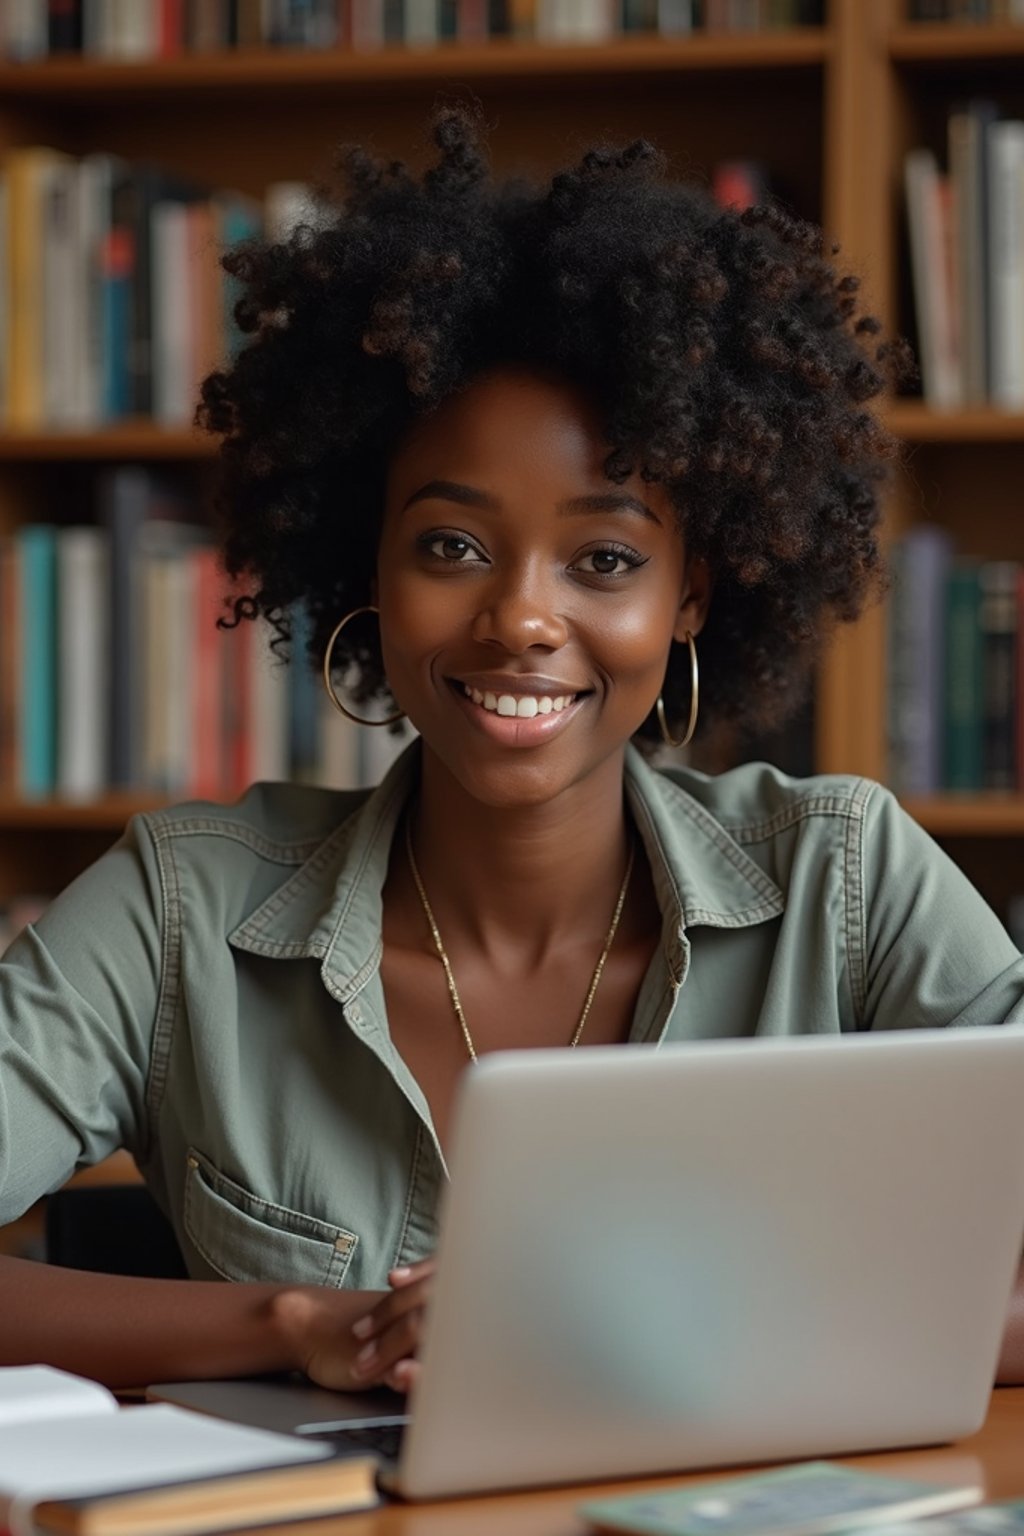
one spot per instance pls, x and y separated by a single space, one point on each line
519 730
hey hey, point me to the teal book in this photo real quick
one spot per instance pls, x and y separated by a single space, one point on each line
811 1499
36 554
963 735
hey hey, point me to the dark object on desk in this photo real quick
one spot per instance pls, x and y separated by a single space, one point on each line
114 1229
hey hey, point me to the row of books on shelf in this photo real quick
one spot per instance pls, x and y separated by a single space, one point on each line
966 226
112 299
992 11
154 29
113 303
954 694
114 673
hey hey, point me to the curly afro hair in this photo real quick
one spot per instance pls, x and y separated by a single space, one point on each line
724 349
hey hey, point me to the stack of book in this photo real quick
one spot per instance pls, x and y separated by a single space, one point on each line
155 29
966 228
955 658
112 299
115 675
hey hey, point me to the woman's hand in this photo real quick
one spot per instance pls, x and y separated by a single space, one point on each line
389 1335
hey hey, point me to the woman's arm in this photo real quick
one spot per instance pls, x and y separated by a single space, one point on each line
127 1332
1010 1372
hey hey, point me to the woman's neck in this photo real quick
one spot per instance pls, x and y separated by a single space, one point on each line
523 878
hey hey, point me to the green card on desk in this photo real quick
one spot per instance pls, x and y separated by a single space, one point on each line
812 1499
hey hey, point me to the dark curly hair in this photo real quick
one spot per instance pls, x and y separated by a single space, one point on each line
724 350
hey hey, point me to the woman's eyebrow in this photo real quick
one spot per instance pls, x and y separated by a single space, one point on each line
469 496
451 490
609 501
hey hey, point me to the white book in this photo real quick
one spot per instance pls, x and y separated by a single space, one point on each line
269 678
26 29
134 29
62 319
1006 261
171 318
421 23
83 644
340 764
72 1460
934 300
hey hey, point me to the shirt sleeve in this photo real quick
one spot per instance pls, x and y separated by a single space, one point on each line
935 952
78 999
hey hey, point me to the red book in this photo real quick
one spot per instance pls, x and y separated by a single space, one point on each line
172 28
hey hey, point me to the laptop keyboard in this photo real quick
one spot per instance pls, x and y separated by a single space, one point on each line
382 1440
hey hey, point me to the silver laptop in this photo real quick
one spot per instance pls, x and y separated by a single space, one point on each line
704 1254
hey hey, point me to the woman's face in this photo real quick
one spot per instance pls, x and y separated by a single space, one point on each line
527 603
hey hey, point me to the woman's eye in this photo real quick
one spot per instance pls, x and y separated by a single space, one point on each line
608 562
453 547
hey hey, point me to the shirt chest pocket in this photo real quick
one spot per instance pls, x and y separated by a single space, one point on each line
241 1237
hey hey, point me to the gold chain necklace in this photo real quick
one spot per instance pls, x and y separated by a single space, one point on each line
453 990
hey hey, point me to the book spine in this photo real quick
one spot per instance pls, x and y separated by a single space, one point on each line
1006 262
964 680
934 298
207 650
10 664
998 619
915 642
83 581
36 546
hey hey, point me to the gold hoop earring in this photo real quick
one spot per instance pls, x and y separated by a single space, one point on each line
691 724
331 694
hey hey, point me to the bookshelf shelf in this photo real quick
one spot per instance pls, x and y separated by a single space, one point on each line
918 423
942 44
127 440
969 816
108 814
74 80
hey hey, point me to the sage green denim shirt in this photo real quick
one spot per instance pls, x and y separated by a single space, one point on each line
208 995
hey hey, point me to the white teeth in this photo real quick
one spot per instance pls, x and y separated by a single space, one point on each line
523 707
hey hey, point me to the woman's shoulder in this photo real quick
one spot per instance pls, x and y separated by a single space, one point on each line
758 799
286 818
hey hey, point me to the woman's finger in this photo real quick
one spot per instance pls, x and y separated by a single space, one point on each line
397 1342
405 1274
393 1306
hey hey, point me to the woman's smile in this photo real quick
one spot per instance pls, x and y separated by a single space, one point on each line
518 713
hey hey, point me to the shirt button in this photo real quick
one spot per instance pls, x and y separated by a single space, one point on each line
355 1013
343 1243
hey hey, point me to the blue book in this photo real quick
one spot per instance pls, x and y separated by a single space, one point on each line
36 554
915 695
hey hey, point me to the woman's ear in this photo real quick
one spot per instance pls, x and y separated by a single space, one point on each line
695 600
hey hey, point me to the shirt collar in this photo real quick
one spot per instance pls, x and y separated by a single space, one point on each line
330 909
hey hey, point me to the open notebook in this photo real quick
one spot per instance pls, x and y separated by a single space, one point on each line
72 1460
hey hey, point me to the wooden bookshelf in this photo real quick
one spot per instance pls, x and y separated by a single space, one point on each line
831 111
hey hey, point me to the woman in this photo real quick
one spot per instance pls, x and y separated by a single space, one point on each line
558 474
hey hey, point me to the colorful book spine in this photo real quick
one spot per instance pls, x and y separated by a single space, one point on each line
964 680
37 743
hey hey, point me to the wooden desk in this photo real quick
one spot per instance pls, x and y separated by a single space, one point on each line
994 1458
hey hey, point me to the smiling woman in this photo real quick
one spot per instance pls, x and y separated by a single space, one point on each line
560 472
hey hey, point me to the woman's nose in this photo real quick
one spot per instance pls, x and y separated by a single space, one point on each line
519 612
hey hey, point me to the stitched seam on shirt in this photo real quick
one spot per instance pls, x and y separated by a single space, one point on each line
277 853
170 976
248 1204
417 1153
819 805
726 842
354 886
856 904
